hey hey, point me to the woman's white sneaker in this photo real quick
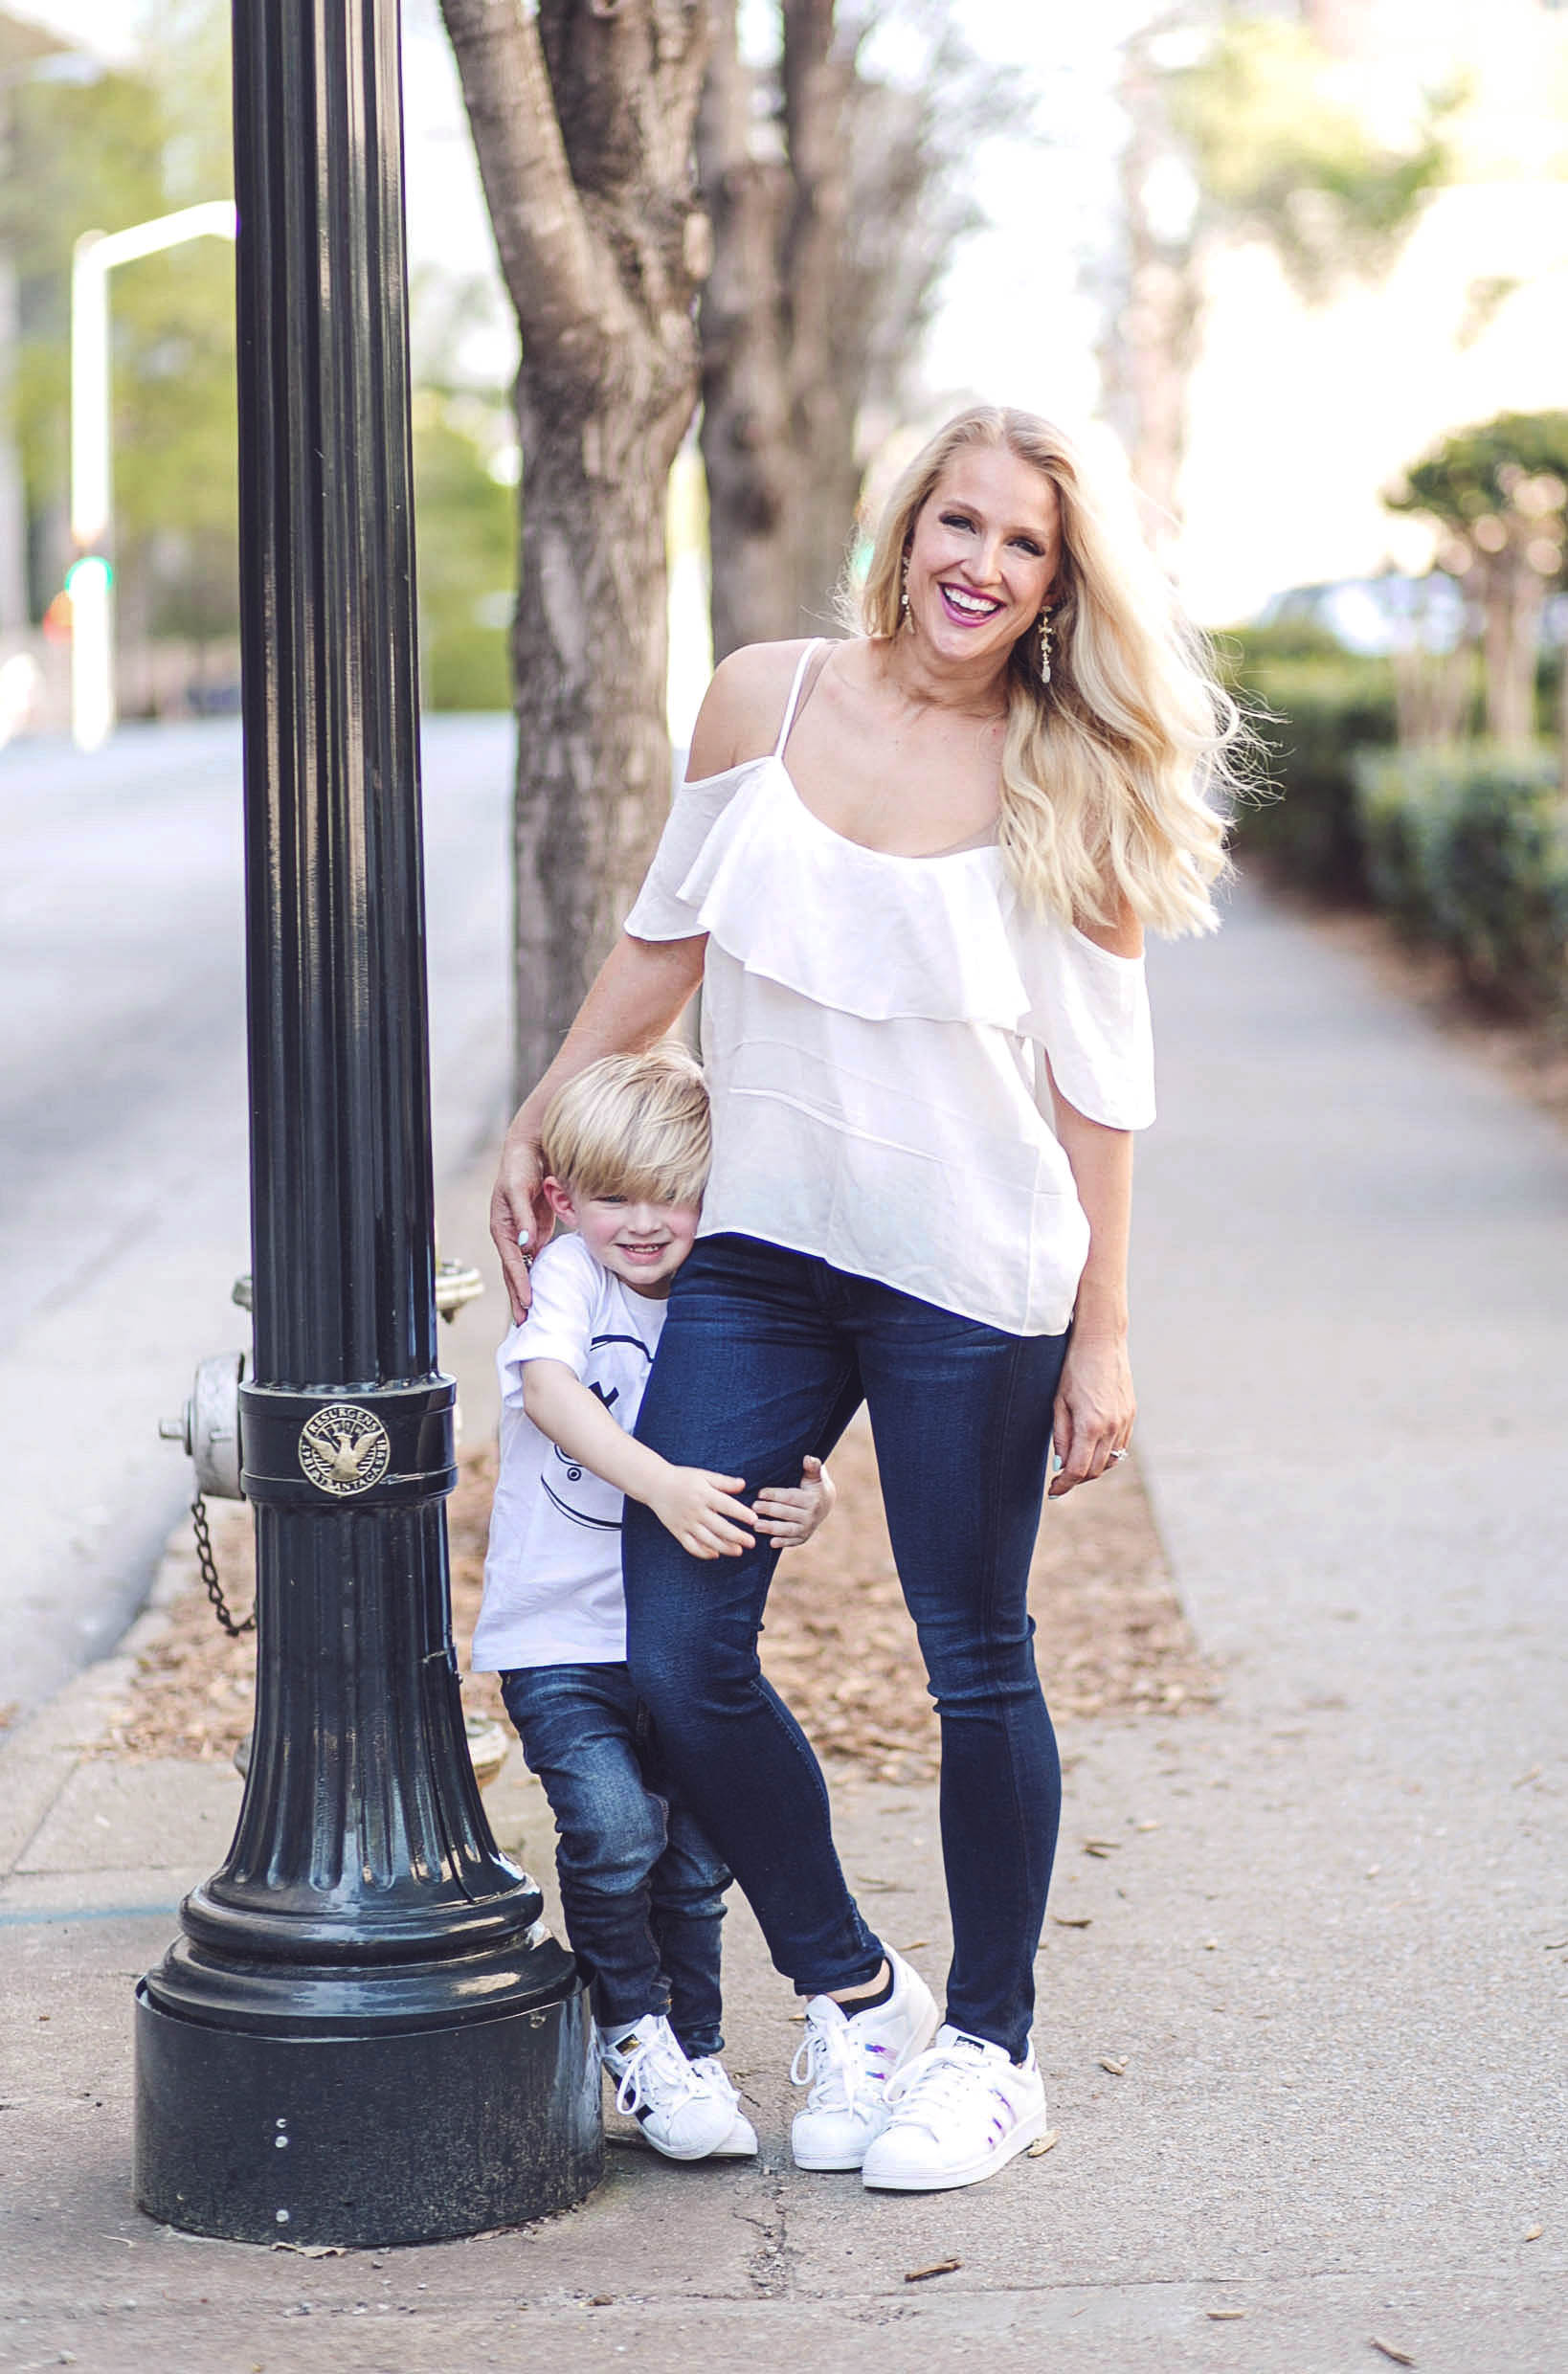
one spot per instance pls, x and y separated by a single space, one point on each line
847 2058
956 2114
741 2141
683 2115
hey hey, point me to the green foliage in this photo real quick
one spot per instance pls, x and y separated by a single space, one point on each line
466 547
1315 710
1468 848
1503 483
103 154
1277 151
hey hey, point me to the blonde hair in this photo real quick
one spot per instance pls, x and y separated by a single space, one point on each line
1111 772
636 1125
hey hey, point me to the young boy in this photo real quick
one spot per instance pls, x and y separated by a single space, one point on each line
625 1149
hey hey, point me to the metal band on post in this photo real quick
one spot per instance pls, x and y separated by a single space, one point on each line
363 2034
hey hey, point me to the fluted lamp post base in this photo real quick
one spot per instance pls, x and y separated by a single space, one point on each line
366 2136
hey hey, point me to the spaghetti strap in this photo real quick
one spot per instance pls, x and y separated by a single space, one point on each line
794 702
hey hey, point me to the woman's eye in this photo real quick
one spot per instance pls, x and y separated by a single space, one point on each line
1027 544
955 519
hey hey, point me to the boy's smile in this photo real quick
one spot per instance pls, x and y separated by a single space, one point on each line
641 1244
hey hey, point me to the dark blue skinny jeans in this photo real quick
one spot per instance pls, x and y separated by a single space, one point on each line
641 1888
765 1353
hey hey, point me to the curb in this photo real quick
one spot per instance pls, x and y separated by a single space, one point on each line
37 1759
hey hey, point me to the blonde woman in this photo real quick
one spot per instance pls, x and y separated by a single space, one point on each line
911 871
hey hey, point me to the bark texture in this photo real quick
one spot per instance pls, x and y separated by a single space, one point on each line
836 206
583 118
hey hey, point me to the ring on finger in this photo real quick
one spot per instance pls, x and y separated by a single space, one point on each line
1114 1455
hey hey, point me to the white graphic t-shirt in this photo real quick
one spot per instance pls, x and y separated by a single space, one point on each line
553 1588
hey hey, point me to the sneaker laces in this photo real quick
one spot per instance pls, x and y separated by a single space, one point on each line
831 2061
656 2067
936 2084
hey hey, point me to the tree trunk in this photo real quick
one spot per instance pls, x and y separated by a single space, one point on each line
583 120
590 649
1151 340
1512 605
819 84
747 450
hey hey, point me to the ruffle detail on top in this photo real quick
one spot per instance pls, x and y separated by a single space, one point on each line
885 938
888 938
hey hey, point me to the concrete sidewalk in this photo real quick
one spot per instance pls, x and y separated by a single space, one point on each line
1326 1949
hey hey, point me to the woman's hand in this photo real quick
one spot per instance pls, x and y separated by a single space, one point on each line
520 1219
1095 1407
700 1510
789 1515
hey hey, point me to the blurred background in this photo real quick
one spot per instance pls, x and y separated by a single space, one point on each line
1299 270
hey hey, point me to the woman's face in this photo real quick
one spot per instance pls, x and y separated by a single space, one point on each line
983 556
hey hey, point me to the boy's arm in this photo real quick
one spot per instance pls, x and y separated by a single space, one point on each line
694 1506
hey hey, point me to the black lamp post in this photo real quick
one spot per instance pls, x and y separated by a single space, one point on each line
363 2034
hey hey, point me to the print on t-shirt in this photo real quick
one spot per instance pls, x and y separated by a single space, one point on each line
553 1588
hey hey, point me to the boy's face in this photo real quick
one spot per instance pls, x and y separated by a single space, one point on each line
643 1244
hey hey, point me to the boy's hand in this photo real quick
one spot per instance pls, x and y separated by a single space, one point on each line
786 1517
700 1510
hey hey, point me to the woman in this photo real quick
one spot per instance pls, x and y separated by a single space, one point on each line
911 871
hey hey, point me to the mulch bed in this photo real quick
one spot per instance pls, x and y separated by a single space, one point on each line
1112 1637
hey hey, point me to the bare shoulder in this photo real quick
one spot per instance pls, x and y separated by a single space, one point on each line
743 706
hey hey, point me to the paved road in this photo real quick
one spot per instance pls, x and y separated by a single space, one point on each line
122 1158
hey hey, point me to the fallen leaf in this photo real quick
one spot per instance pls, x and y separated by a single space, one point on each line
1151 1826
798 2015
1224 2315
1113 2069
1071 1920
1043 2144
914 1945
1558 1945
1525 1777
1533 2233
941 2267
313 2249
1399 2357
1100 1848
600 2300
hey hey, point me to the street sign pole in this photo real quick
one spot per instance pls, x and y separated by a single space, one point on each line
363 2035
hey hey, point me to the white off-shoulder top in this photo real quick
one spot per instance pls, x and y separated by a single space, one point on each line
875 1030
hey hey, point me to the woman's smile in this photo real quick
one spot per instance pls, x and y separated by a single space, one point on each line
967 607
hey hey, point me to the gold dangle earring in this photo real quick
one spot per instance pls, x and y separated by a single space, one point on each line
1044 647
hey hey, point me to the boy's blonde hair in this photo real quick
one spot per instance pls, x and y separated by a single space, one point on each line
636 1125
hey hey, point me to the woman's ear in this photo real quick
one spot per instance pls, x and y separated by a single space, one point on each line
560 1202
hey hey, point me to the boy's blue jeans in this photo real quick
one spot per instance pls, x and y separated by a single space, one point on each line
641 1888
764 1352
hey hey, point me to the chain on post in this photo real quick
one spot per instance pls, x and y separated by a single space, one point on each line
210 1574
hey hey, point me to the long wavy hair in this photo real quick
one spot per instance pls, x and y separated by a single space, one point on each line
1115 773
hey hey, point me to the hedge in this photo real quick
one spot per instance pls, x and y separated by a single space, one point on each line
1314 712
1468 848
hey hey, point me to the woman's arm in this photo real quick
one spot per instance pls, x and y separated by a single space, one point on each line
1094 1403
641 990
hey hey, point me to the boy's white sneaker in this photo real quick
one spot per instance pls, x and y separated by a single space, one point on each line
847 2057
682 2115
741 2141
956 2114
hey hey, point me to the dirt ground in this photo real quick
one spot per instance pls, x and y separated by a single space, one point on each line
839 1644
